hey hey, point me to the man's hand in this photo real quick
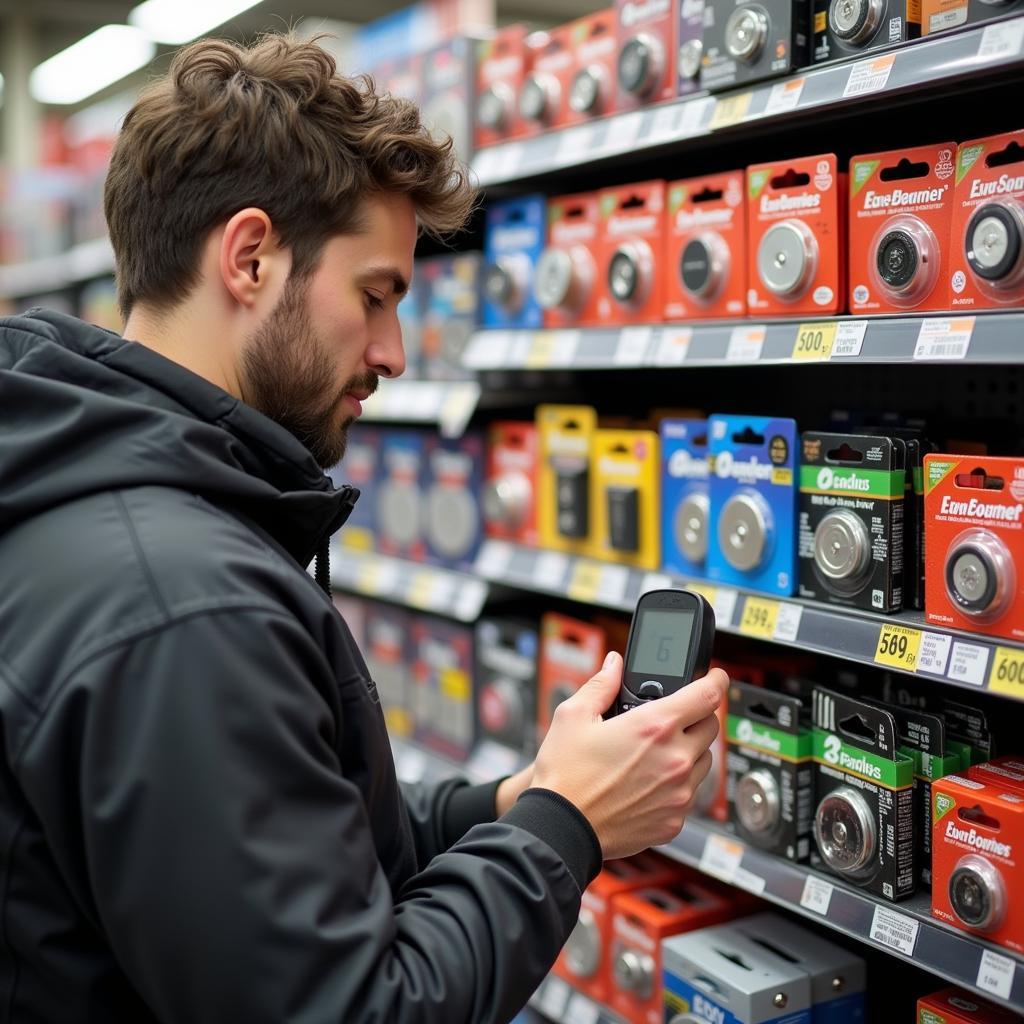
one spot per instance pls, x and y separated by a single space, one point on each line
634 777
509 789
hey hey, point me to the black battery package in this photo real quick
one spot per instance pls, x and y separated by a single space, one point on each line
506 682
847 28
851 520
770 772
864 819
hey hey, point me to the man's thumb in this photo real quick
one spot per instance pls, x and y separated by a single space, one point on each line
600 690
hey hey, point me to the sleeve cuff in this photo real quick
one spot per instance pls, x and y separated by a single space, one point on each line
560 824
468 806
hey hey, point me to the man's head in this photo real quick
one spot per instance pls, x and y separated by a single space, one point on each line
263 212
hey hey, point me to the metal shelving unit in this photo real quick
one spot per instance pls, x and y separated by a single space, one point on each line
447 404
79 264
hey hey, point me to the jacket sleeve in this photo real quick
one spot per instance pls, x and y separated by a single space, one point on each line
214 838
441 814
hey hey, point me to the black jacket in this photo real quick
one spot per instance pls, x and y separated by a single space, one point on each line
199 816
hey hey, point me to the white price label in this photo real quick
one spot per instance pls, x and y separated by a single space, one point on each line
581 1010
725 604
695 113
849 339
1001 40
442 589
784 96
656 581
745 879
412 764
817 895
574 145
611 587
745 344
869 76
554 998
721 857
563 351
484 164
508 159
623 131
995 974
487 350
469 600
520 348
493 559
663 126
968 663
550 570
423 400
672 346
944 338
933 655
897 931
387 576
633 345
787 624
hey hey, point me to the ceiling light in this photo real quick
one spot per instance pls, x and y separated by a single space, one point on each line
179 21
91 64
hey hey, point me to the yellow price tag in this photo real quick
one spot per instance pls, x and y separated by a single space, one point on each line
730 110
1007 673
454 684
814 341
421 589
759 617
542 350
898 646
585 580
708 593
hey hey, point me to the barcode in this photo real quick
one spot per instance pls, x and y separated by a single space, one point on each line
948 348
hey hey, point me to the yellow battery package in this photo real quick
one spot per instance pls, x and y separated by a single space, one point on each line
563 499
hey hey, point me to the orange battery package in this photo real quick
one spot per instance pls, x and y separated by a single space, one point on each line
544 96
571 652
501 68
640 920
974 542
796 239
592 89
705 269
1004 771
646 62
987 266
510 491
977 836
565 278
957 1006
632 230
901 208
584 957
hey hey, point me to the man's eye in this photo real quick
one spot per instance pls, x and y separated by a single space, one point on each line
374 301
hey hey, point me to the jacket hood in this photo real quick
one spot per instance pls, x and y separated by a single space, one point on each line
83 411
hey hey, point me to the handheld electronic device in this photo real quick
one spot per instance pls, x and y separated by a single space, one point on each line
670 641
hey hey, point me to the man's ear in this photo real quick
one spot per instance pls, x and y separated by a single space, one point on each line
252 262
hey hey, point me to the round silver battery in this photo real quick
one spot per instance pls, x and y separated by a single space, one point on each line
586 89
973 579
583 947
691 526
691 53
506 499
398 512
842 547
977 894
855 21
746 32
743 530
844 830
494 106
995 243
640 64
502 283
536 97
634 972
629 273
455 337
757 802
786 258
553 278
452 520
501 707
703 265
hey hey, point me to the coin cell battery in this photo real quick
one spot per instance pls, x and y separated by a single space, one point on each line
507 281
538 98
845 831
452 520
503 710
583 948
398 512
589 90
745 527
746 32
634 972
704 266
641 64
691 527
787 259
630 273
691 54
507 500
980 577
994 246
855 21
757 804
905 267
977 893
842 552
564 278
495 106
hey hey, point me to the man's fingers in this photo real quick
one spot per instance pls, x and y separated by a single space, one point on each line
599 692
703 733
693 702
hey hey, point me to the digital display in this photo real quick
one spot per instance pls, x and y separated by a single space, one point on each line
661 642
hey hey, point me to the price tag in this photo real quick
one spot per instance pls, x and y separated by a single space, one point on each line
493 559
656 581
367 577
574 145
633 345
519 348
585 581
723 600
542 350
748 880
389 572
421 589
581 1010
944 338
787 623
550 569
817 895
785 96
695 113
508 159
470 599
554 998
672 346
663 127
898 646
849 339
612 588
933 657
814 341
759 617
995 974
869 76
897 931
483 165
745 344
487 350
442 590
457 408
730 110
721 857
622 131
968 663
1001 41
1007 674
565 346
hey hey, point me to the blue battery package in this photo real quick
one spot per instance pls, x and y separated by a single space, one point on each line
359 469
451 485
515 232
685 502
753 509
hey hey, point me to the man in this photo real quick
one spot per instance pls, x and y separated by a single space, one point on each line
199 817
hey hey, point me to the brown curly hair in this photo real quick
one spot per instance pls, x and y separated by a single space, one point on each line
273 126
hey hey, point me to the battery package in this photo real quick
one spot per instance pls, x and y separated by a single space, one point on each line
564 514
594 47
753 502
771 774
685 501
864 818
796 237
515 230
851 520
449 80
400 508
957 1006
689 46
501 68
510 487
571 653
544 96
506 683
944 15
359 469
626 497
442 675
706 248
451 308
901 211
1000 771
646 67
565 279
974 541
389 661
849 28
452 484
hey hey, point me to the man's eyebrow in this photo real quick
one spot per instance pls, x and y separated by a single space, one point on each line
399 285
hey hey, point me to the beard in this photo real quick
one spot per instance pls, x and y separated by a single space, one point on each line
288 375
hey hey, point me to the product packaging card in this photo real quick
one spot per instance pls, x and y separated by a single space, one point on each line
862 26
501 68
685 502
753 502
571 653
864 819
452 485
544 96
506 683
388 654
510 490
943 15
399 510
594 47
362 454
515 230
647 52
1007 771
451 312
690 51
443 686
565 516
565 282
957 1006
449 82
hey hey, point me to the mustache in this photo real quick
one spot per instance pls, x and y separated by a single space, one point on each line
363 383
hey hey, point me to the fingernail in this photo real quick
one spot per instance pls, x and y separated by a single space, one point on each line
609 660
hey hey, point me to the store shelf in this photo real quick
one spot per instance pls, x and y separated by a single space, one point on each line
906 929
558 1001
488 761
959 659
79 264
926 66
424 587
448 404
990 338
